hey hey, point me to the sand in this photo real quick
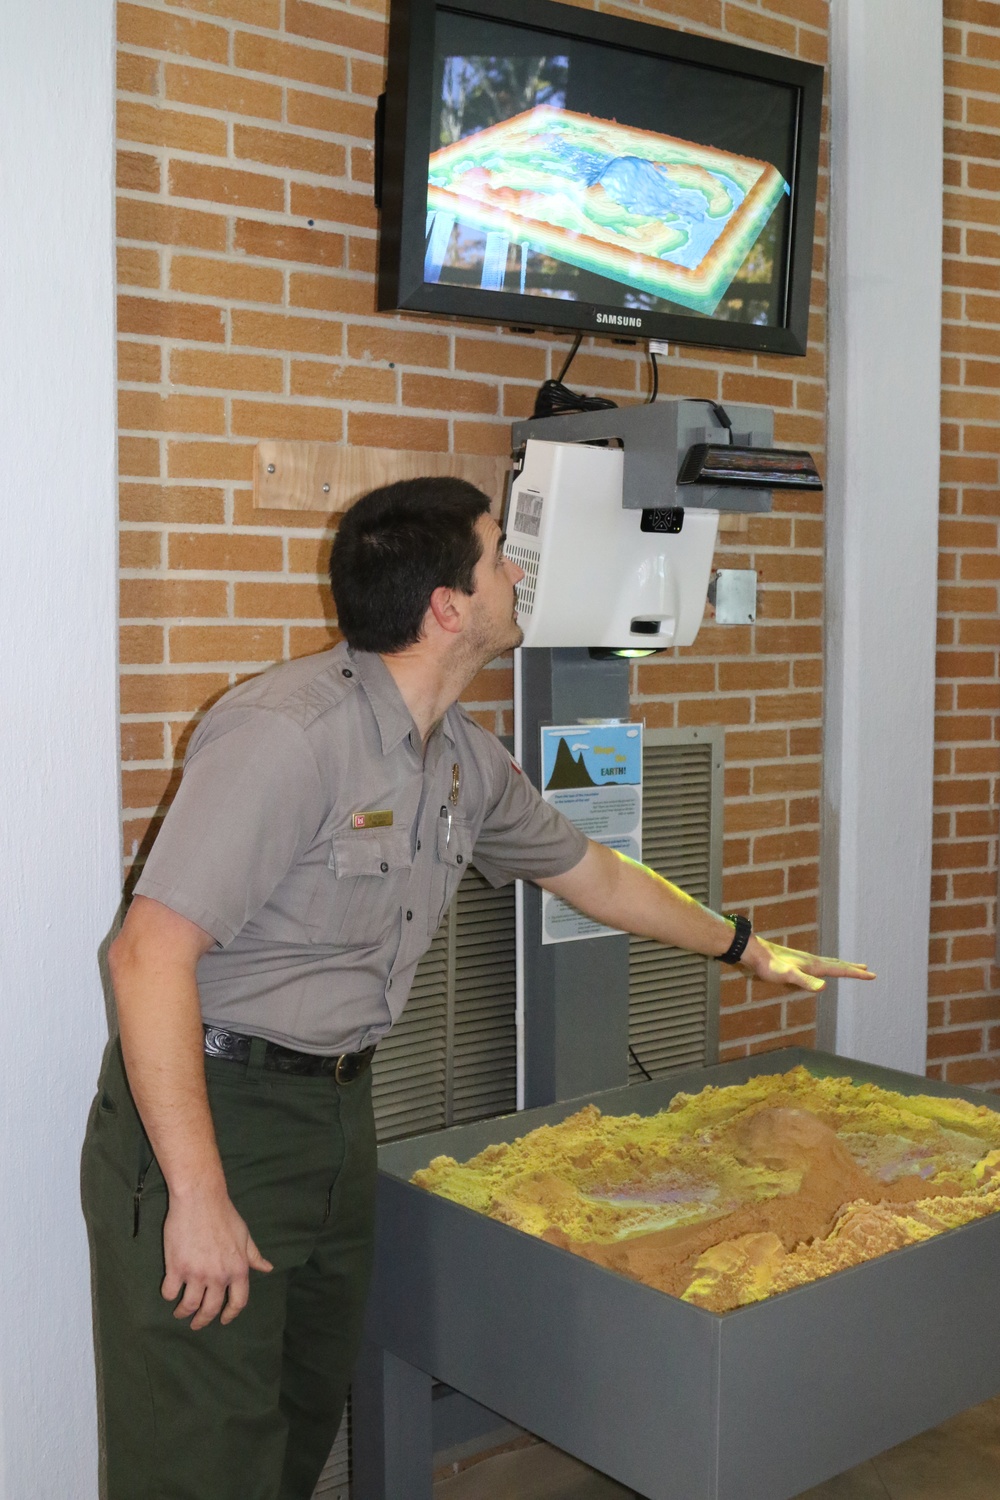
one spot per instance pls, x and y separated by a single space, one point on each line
734 1194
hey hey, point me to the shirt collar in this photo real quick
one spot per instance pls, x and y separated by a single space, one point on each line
392 716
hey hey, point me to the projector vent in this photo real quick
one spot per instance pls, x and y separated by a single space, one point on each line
526 558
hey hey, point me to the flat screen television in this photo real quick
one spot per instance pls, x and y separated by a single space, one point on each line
544 166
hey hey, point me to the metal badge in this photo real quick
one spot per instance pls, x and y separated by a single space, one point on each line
372 819
456 783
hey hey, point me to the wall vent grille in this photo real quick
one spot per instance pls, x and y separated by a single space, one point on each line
674 996
528 559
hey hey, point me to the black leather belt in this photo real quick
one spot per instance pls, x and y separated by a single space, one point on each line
234 1046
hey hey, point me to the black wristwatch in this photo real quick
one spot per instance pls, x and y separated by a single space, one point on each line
744 927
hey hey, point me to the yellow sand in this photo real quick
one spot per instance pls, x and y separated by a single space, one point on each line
734 1194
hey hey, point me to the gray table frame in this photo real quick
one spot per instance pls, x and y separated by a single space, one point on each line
672 1401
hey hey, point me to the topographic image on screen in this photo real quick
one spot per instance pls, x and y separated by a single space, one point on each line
545 178
671 218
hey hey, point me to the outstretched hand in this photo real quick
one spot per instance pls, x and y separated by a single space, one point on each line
804 971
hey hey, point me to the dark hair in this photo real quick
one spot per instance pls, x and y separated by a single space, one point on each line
395 546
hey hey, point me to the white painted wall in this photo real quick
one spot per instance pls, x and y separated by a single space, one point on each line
882 515
59 870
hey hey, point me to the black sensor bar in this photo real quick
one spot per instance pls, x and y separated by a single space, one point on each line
756 468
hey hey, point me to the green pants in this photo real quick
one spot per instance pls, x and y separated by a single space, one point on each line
248 1411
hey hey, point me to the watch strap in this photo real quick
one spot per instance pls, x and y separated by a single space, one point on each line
744 928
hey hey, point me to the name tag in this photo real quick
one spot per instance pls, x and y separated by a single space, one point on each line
372 819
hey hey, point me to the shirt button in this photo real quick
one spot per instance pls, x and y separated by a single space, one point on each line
346 672
409 916
418 843
384 867
458 859
388 984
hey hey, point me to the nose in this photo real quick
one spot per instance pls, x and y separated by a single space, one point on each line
515 573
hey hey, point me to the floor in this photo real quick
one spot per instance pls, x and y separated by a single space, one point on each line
960 1460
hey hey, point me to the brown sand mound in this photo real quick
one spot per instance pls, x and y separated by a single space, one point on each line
738 1193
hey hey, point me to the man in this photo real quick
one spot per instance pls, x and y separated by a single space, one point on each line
325 817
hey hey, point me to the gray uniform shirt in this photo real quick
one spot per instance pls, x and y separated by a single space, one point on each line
320 847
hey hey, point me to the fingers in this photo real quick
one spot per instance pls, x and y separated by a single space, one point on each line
839 968
205 1299
211 1306
782 970
777 965
171 1288
195 1290
239 1296
257 1261
782 962
209 1254
830 970
801 981
202 1300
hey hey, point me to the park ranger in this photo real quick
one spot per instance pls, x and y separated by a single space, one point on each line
326 814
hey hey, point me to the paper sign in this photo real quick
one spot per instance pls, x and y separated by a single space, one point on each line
593 774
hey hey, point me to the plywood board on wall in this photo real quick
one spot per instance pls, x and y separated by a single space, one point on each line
329 477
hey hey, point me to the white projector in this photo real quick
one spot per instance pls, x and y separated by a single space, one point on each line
596 574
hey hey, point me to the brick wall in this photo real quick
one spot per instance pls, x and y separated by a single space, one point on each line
964 1035
247 251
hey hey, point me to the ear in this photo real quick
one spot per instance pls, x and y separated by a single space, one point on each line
445 607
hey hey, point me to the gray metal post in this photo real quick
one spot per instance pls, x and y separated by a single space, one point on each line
392 1455
575 994
576 1042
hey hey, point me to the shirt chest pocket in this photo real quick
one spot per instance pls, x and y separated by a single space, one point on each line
453 857
362 888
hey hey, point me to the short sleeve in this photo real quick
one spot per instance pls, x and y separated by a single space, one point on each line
250 802
523 837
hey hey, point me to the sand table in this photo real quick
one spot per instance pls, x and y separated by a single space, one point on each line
731 1195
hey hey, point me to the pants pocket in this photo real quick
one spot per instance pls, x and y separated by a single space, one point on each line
119 1167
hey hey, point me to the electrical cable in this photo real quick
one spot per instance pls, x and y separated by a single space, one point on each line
722 417
569 359
555 399
655 382
631 1052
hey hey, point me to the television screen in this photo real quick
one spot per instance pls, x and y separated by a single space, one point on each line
565 169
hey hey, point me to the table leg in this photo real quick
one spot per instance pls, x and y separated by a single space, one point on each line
392 1447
